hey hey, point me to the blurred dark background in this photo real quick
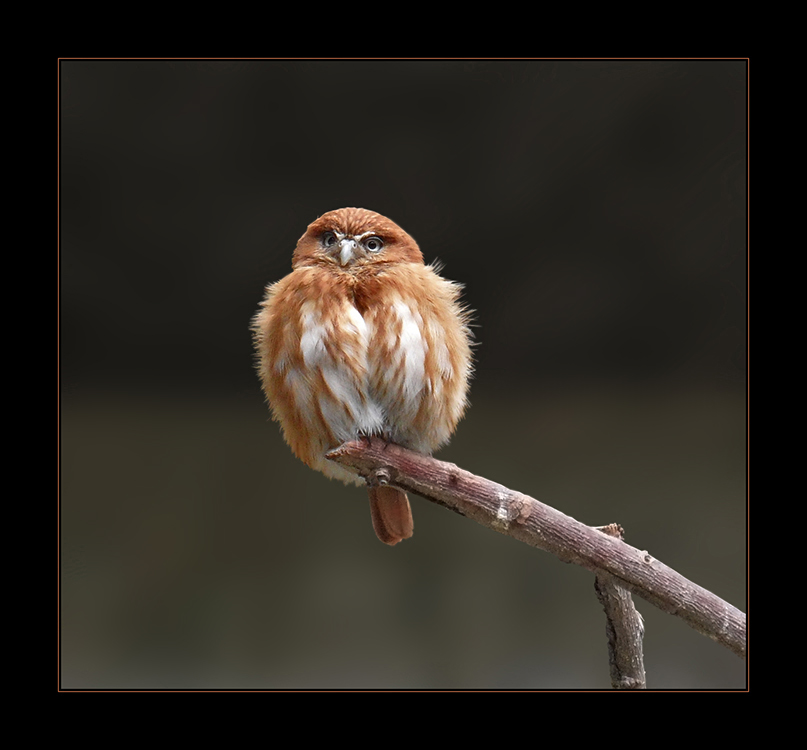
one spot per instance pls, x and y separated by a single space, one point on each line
596 213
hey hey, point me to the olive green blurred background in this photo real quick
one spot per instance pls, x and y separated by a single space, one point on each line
595 211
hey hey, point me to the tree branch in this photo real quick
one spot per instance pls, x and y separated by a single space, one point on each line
624 627
540 525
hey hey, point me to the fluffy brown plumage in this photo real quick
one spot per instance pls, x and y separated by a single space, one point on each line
362 338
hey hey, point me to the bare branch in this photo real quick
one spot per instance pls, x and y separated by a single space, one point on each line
624 627
540 525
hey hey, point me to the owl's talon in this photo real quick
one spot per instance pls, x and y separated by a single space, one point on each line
379 477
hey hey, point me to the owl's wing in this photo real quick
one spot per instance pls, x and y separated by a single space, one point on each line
419 356
313 363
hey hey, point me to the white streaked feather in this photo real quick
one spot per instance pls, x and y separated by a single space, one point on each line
411 354
300 388
358 323
312 341
349 412
347 409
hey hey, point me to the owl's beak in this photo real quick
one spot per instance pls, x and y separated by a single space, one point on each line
347 250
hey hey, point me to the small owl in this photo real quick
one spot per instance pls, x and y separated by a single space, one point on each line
363 339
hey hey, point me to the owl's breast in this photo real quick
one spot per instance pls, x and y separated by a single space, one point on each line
339 360
331 384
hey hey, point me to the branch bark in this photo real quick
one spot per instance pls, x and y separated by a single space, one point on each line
623 625
539 525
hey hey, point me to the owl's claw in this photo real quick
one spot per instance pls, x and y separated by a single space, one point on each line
379 477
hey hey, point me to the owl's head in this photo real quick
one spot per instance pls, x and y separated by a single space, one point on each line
351 238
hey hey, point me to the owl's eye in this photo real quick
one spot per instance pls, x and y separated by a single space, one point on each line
374 244
328 239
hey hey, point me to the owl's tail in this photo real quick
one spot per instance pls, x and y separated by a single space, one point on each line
391 514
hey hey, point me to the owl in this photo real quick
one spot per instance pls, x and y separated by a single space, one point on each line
363 339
